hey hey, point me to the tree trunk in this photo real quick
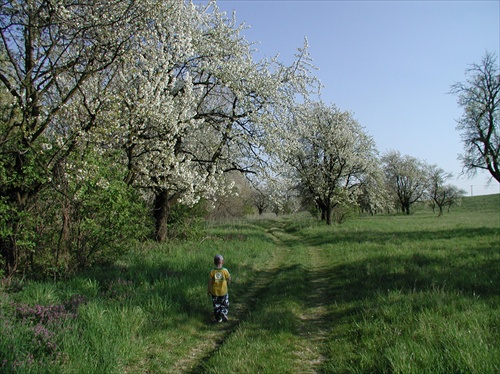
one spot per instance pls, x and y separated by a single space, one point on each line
328 215
63 244
326 211
405 206
18 194
8 252
8 244
162 207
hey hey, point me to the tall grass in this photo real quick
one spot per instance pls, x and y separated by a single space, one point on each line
415 294
383 294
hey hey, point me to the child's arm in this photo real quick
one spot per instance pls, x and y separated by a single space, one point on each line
210 285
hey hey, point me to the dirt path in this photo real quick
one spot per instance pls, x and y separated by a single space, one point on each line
216 338
313 320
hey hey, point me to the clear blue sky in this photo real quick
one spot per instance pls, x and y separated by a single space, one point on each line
389 62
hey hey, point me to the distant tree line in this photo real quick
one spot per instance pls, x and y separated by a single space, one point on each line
395 183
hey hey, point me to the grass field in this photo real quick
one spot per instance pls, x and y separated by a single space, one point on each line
383 294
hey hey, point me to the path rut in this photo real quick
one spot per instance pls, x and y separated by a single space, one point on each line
199 355
314 319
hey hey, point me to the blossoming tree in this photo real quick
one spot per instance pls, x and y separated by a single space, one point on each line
330 155
195 105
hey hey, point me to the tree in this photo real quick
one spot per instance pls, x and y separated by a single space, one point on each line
49 52
375 197
330 155
407 178
479 96
194 105
260 199
441 194
446 196
237 203
166 90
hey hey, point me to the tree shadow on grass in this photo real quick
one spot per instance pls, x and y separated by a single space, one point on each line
378 237
180 293
361 279
348 291
354 284
469 270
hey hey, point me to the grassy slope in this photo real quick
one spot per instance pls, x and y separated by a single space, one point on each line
406 294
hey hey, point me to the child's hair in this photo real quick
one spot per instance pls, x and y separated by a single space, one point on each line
218 259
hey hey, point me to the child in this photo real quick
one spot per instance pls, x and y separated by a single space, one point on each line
217 287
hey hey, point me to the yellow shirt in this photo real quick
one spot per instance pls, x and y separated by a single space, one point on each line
219 278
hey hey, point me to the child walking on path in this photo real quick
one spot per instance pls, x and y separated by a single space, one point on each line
218 281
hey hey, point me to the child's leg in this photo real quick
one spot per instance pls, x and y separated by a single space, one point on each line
216 307
221 307
224 306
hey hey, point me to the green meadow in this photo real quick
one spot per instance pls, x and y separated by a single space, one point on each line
377 294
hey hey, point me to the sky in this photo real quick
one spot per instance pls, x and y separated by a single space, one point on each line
390 63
